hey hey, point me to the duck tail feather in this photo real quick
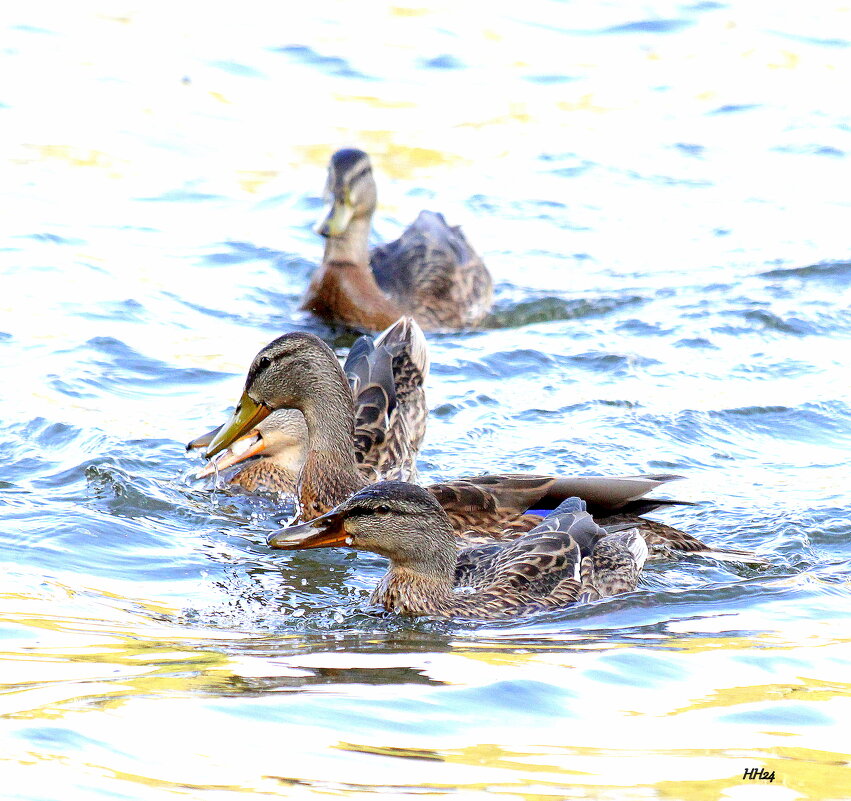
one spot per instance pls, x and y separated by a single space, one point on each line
614 528
644 505
636 545
732 555
405 335
356 366
572 504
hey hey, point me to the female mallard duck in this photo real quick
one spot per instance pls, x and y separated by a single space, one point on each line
565 559
430 272
386 378
275 448
299 371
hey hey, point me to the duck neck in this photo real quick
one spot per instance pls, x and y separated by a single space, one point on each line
413 592
422 583
330 422
329 474
264 474
352 247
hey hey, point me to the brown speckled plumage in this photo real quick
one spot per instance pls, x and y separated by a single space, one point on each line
666 541
428 575
266 476
321 481
387 379
614 565
430 272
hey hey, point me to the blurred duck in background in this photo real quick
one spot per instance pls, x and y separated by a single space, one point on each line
431 272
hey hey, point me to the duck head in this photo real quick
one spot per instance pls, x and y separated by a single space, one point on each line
350 190
395 519
295 371
280 438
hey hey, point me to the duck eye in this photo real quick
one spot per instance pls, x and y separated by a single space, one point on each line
382 509
263 362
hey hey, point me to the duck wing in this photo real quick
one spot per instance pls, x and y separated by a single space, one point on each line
475 564
407 345
386 376
478 566
491 506
432 271
521 577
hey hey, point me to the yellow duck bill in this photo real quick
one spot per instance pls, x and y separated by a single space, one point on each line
337 220
202 442
247 415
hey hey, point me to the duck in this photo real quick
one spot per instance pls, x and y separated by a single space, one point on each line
386 376
271 454
566 559
430 272
299 371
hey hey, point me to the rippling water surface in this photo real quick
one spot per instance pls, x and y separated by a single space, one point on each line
661 193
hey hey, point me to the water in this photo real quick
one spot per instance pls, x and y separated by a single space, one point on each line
661 195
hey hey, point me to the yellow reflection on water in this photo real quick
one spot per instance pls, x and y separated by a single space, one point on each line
808 689
376 102
111 681
387 155
76 157
809 773
253 181
407 11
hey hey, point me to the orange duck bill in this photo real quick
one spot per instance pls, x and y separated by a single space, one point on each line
252 444
327 531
